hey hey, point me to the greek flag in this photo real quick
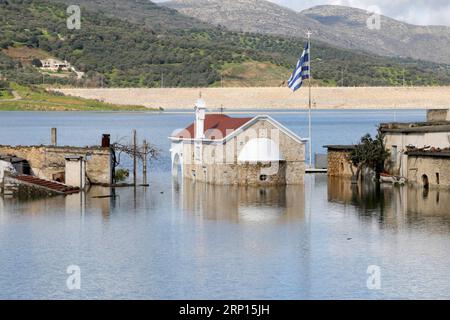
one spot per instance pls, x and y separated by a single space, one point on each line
301 71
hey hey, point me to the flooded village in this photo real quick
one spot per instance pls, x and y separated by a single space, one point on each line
219 175
224 149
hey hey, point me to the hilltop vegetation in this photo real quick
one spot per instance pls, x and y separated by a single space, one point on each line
126 52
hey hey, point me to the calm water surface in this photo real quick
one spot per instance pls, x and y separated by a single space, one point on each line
193 241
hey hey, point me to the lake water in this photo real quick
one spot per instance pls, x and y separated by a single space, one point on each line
194 241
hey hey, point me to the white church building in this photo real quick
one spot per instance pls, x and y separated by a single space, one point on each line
223 150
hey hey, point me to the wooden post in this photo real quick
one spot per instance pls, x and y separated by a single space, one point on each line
134 157
144 164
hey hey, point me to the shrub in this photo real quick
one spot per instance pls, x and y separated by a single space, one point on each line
121 175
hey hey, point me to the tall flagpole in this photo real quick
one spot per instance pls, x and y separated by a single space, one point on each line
310 102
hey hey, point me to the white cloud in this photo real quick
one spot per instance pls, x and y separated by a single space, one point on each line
422 12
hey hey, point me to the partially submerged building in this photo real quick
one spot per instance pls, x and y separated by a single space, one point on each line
223 150
54 169
339 164
420 151
429 168
49 162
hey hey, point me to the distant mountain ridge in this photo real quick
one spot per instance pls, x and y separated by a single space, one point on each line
339 26
115 48
157 17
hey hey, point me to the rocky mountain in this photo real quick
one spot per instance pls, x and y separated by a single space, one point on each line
157 17
116 48
337 25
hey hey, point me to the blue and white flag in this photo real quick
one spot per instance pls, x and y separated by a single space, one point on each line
301 72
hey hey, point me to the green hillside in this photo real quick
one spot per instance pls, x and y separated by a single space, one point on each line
134 52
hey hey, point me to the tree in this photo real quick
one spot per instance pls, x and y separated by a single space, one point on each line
144 152
369 153
4 84
36 62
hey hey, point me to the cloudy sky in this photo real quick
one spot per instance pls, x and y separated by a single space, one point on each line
422 12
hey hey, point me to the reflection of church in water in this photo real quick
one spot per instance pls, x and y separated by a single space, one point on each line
241 204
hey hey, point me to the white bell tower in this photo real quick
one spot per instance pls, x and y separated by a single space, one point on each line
200 114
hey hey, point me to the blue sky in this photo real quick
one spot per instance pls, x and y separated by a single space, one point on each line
422 12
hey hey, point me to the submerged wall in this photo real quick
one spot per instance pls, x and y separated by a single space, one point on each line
432 170
22 190
339 164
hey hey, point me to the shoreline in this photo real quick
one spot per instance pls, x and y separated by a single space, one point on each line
270 98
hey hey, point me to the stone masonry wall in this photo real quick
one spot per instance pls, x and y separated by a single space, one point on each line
432 167
245 174
48 161
339 165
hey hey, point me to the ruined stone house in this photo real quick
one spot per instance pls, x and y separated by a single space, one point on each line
420 151
339 164
48 162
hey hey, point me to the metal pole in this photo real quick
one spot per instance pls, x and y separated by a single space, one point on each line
144 164
404 77
134 157
310 102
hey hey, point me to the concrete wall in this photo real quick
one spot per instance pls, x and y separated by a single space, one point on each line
75 173
47 161
219 162
432 167
274 98
339 165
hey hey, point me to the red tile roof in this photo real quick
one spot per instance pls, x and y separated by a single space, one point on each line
217 126
52 185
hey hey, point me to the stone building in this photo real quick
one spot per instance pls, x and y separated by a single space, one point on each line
48 162
419 151
55 65
339 164
429 168
222 150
